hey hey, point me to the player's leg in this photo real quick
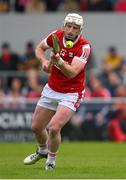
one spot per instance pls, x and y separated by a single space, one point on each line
41 118
62 116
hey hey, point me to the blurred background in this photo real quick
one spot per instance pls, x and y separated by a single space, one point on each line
23 24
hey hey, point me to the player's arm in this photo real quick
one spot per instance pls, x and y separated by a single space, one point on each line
73 69
40 54
45 44
77 65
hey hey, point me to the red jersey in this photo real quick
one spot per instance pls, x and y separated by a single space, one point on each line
81 50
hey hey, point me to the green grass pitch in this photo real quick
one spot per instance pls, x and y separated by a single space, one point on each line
78 160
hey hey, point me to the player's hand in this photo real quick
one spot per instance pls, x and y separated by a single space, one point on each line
54 57
58 57
46 67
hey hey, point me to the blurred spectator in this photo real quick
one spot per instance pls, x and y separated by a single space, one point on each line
20 5
1 83
35 6
71 5
99 5
83 5
113 58
90 122
123 72
113 82
120 6
2 92
52 5
104 72
115 130
120 91
97 88
96 118
29 60
92 64
4 6
113 2
33 87
117 125
95 122
14 98
8 60
76 123
87 93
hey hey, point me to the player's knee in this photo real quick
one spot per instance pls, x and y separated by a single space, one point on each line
35 128
54 130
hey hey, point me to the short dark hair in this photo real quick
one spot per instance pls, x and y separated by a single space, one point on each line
30 44
112 49
5 45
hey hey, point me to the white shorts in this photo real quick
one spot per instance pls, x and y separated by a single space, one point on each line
51 99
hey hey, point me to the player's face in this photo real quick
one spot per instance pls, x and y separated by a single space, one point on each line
71 31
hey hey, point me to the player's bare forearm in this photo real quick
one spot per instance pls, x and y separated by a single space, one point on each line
40 54
69 70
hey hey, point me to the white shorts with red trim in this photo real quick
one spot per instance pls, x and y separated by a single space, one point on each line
50 99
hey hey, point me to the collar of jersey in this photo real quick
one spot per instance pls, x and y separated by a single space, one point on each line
74 42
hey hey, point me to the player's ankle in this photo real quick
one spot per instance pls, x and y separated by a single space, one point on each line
42 149
51 157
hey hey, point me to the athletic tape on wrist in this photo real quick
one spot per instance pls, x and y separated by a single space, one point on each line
60 62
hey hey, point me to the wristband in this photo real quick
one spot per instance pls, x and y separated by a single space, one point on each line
60 62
